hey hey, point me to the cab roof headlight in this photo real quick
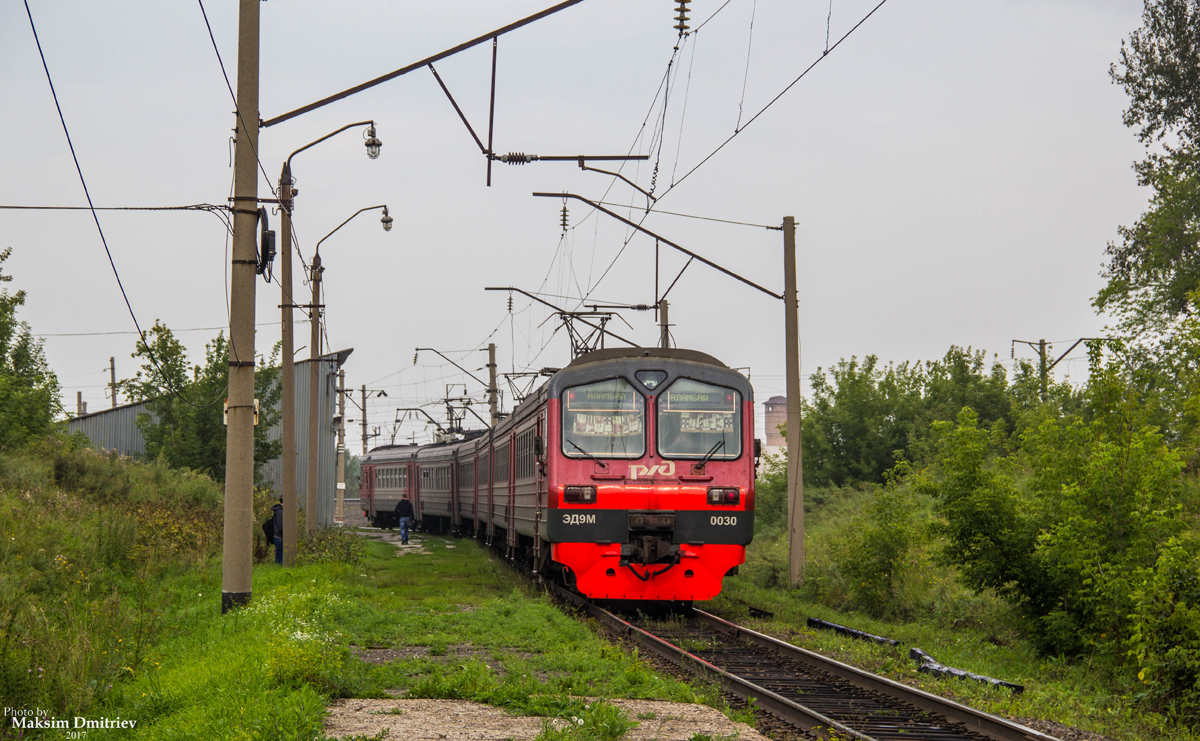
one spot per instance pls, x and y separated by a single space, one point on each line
721 495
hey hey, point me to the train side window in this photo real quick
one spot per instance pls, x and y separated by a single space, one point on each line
696 419
605 420
525 456
501 476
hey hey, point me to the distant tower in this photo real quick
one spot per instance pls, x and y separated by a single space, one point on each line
776 408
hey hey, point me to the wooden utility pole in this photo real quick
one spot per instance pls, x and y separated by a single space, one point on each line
795 478
364 420
341 447
112 384
287 374
237 556
493 389
314 415
1043 370
1044 364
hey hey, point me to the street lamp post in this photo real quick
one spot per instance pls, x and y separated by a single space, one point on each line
314 375
287 372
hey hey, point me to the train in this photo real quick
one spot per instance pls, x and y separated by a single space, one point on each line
627 475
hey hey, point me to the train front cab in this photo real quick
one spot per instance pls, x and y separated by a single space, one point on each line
651 475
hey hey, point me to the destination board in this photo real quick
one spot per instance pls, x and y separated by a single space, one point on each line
715 400
603 398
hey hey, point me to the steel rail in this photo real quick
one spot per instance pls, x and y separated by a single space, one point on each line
983 723
793 712
810 720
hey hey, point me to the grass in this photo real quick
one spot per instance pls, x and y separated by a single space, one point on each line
976 632
110 592
267 671
110 588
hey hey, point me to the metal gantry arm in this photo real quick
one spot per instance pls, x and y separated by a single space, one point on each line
418 65
631 343
456 365
664 240
422 411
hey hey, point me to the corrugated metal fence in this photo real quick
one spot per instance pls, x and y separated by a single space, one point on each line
116 430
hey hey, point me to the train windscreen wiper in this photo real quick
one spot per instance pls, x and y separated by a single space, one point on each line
720 444
585 453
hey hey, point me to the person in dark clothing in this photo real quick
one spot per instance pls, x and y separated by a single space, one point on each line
277 516
404 511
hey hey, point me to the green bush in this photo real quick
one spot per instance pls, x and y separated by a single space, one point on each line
332 545
1165 638
87 542
878 555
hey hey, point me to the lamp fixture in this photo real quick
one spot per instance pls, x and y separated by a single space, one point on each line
373 144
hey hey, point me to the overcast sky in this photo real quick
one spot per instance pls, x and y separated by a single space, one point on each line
955 169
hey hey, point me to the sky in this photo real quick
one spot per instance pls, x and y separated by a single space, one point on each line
955 171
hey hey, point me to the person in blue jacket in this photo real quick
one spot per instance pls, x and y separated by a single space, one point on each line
404 511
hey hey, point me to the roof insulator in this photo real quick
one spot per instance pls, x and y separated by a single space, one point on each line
682 16
517 158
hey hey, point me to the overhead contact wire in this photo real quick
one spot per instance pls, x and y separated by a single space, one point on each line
776 98
95 218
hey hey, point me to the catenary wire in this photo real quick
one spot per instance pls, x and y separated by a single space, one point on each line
828 25
739 130
95 218
746 74
704 218
126 332
686 93
775 99
253 149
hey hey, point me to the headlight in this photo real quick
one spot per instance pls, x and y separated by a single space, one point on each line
580 494
720 495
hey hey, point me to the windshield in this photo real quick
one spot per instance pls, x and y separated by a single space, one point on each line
604 420
696 419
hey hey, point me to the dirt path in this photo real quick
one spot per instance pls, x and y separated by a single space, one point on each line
418 720
415 543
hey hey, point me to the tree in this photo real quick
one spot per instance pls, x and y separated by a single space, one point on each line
863 418
29 391
1153 272
1100 497
184 425
859 420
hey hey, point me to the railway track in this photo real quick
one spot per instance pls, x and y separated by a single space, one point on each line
817 695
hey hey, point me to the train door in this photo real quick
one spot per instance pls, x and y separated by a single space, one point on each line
366 491
510 511
540 552
414 490
454 479
475 474
491 488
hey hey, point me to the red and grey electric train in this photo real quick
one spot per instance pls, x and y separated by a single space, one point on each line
630 473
